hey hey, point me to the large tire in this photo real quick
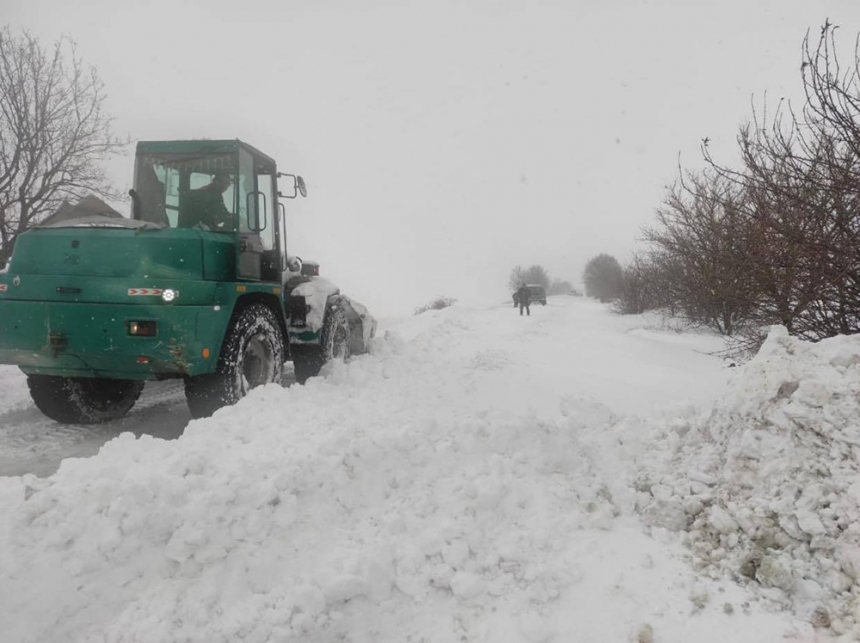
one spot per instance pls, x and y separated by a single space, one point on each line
334 344
83 400
252 355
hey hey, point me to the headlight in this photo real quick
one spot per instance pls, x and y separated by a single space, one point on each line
169 295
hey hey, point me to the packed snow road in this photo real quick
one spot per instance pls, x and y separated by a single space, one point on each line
32 443
479 477
551 365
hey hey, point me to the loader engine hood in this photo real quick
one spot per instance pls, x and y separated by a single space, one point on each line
118 252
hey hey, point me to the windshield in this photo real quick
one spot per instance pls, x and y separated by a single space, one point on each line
187 191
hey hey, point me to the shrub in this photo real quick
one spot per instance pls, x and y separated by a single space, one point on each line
437 304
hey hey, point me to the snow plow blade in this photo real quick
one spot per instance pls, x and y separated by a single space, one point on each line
362 326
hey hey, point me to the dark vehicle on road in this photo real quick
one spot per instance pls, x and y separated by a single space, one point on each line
537 294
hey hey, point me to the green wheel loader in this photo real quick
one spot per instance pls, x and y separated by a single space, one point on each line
196 284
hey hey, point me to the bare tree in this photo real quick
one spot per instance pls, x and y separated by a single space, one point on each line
703 240
832 114
54 132
517 278
537 274
776 240
791 184
832 91
603 277
534 274
640 286
559 287
801 174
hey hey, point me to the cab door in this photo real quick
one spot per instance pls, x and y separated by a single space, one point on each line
259 256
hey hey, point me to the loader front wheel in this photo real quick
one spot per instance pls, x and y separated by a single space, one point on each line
252 355
334 344
83 400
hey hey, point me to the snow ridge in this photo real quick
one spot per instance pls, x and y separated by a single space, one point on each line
461 482
766 487
229 535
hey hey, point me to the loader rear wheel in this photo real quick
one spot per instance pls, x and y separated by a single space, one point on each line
83 400
334 344
252 355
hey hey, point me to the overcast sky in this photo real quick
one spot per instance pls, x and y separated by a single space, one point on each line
445 142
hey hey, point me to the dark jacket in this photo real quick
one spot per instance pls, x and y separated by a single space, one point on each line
523 296
205 205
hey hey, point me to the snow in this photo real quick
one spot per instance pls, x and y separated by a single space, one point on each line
479 476
780 451
16 396
316 292
361 323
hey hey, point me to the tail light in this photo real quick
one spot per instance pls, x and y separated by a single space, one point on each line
143 328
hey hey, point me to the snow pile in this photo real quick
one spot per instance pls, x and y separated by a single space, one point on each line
316 291
438 489
766 488
286 516
13 390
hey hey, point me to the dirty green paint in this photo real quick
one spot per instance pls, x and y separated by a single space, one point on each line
65 304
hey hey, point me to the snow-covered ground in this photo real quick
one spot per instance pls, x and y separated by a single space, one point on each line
14 387
481 476
32 443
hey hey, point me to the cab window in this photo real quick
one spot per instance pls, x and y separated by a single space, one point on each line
185 192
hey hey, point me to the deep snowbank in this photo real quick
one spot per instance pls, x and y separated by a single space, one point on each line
766 487
463 482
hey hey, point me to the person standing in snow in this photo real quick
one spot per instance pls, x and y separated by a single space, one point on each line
523 297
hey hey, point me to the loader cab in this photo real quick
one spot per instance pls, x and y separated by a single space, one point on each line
226 190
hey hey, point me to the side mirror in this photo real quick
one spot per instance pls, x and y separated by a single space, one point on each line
299 186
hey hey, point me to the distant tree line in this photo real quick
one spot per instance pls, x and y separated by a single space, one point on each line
603 278
775 240
537 274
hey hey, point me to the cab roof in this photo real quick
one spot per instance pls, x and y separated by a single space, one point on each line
200 146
